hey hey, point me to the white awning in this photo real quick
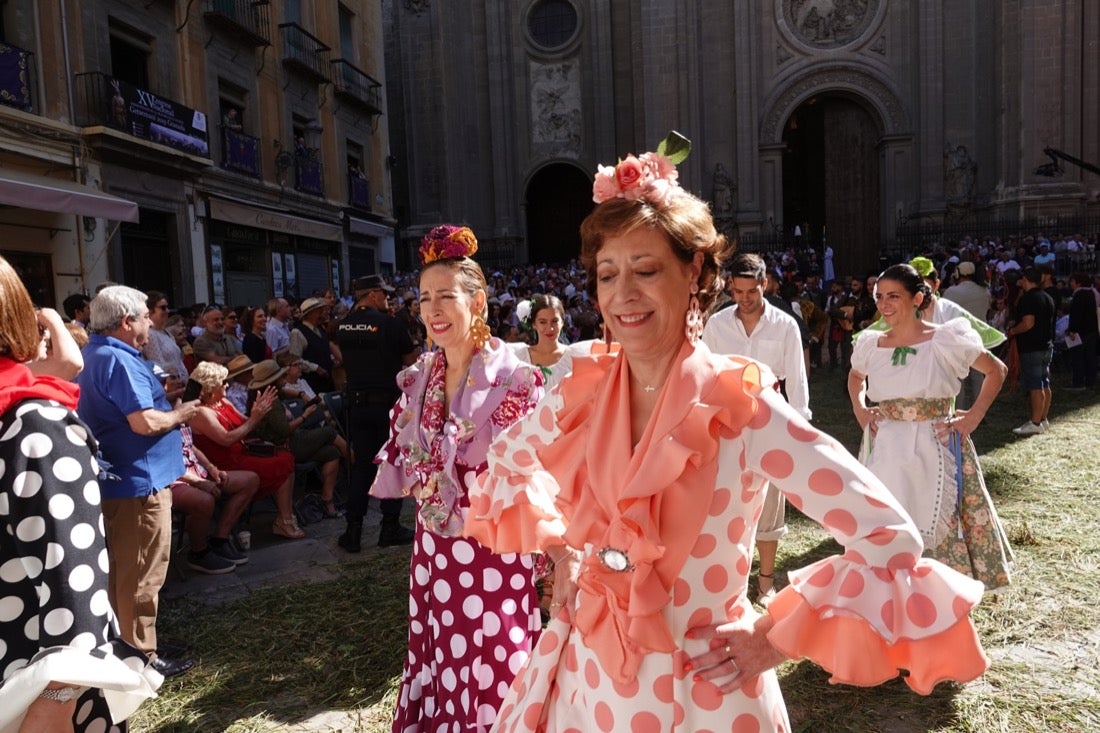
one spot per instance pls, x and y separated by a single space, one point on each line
240 213
368 228
30 191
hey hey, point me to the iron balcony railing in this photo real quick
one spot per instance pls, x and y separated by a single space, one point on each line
303 52
309 174
105 100
358 191
353 84
246 19
17 81
240 152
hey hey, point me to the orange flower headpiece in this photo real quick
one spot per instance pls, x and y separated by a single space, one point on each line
447 242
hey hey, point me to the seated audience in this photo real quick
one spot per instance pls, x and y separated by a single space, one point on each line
215 343
219 429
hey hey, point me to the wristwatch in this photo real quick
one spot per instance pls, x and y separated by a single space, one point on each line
62 694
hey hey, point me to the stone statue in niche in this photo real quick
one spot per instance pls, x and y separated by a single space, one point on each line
724 189
959 173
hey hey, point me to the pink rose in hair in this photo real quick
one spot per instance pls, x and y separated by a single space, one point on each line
629 174
605 186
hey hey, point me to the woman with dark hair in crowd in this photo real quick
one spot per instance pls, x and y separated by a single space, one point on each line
913 441
254 324
545 317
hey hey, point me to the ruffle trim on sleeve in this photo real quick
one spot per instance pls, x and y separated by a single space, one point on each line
126 682
958 344
868 625
514 513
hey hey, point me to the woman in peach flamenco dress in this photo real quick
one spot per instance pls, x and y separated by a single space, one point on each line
642 475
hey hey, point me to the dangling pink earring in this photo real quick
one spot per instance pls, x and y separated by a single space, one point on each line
693 328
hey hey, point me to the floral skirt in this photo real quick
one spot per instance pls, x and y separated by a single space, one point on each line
976 543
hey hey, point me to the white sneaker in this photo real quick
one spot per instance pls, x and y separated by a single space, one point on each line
1045 425
1029 428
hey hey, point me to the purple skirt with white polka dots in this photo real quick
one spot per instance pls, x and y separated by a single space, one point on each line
473 619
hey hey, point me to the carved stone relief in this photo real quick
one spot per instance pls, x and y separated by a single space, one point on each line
725 189
829 23
416 7
894 118
556 108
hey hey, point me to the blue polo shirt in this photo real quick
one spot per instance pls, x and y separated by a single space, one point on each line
116 382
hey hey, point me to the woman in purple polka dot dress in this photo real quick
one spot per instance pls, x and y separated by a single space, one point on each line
62 666
473 615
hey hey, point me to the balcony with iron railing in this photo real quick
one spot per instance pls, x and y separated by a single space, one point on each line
358 191
17 81
246 19
103 100
240 152
304 53
356 86
309 173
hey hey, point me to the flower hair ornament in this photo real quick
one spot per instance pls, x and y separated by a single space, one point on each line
524 314
650 176
924 266
447 242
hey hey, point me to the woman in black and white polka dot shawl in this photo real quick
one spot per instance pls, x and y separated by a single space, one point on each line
57 630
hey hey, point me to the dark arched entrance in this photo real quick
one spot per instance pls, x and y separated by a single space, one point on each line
559 196
831 180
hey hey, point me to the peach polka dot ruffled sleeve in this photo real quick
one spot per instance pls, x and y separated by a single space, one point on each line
512 504
880 607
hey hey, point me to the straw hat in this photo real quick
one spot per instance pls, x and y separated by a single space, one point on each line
311 304
266 372
238 365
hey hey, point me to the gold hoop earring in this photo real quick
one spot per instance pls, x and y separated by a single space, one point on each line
480 332
693 327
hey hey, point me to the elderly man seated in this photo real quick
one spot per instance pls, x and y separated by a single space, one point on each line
215 343
240 374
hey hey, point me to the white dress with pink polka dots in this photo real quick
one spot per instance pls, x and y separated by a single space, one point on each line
873 602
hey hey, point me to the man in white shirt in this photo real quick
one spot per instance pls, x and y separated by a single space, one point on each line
277 334
755 328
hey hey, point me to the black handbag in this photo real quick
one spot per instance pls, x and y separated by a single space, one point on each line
258 447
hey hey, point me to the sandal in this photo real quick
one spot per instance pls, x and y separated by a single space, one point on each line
287 528
765 597
329 510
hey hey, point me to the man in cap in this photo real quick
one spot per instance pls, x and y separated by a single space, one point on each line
975 298
310 344
376 346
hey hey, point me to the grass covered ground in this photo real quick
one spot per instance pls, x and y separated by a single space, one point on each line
327 656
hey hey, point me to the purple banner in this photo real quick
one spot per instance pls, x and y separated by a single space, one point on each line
15 90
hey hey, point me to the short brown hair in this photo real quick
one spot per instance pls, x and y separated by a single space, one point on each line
686 222
19 337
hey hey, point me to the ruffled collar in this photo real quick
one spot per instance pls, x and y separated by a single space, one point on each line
19 383
433 441
649 502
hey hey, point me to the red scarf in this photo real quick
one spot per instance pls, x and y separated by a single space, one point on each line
18 383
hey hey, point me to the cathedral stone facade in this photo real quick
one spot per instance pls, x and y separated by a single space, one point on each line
850 119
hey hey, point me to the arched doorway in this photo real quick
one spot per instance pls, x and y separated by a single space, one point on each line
559 196
831 180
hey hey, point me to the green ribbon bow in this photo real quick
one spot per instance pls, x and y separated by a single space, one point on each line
900 353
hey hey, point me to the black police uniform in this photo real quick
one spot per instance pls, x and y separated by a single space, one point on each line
373 345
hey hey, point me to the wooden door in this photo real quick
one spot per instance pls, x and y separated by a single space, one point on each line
852 188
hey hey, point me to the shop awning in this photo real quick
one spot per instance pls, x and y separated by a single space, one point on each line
30 191
368 228
239 213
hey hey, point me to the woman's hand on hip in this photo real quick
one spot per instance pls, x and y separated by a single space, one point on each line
739 651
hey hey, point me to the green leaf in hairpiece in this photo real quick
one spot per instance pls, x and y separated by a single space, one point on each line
675 147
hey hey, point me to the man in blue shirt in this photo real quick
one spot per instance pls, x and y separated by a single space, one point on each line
138 434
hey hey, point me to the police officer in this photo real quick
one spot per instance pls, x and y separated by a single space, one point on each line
375 346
